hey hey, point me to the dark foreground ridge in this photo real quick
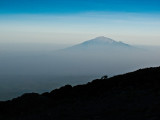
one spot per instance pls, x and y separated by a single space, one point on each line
132 96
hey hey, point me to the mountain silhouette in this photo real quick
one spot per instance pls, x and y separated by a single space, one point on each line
100 43
135 95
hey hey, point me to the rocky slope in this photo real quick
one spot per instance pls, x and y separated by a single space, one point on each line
131 96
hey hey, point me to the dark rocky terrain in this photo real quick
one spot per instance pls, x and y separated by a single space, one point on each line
132 96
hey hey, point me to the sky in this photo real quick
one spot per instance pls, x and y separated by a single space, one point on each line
74 21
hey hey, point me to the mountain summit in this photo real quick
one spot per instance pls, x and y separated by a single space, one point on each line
100 43
103 41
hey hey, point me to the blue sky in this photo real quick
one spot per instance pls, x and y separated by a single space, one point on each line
73 21
74 6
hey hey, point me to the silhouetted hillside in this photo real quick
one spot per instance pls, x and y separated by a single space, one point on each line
132 96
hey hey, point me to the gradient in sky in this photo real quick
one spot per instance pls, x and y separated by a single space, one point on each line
73 21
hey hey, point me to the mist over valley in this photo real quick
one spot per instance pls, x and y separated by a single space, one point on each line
43 67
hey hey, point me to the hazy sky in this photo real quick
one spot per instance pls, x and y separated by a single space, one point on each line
74 21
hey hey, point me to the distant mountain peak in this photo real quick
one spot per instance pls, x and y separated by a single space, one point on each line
100 43
101 39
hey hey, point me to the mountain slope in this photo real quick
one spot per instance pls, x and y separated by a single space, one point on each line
131 96
100 43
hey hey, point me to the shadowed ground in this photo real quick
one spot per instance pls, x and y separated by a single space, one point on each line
131 96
